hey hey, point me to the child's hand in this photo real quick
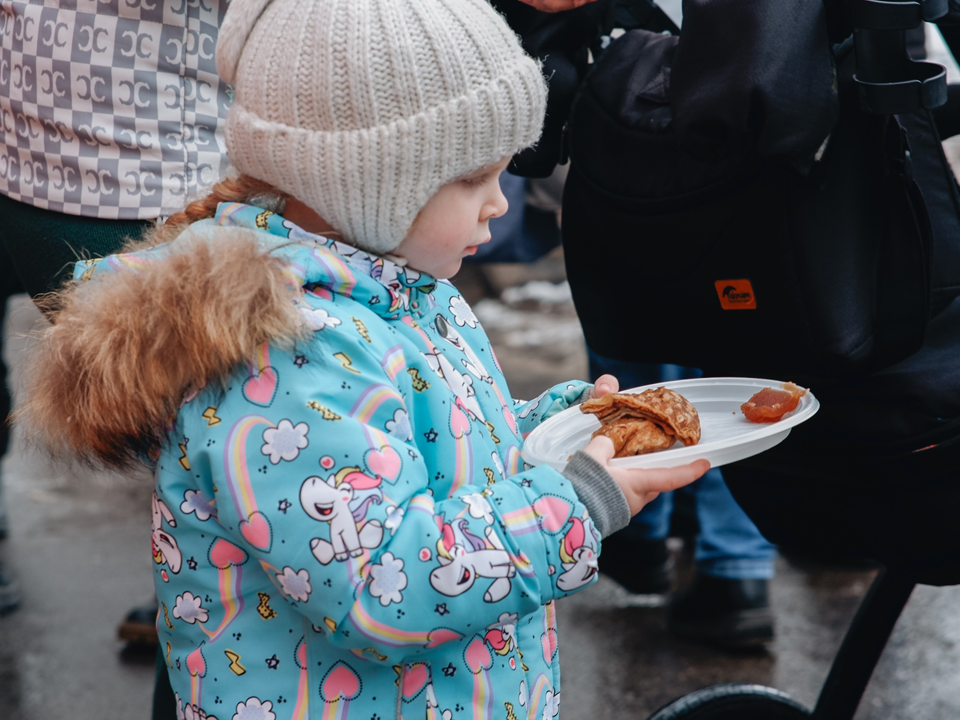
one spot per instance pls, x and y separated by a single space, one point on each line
641 485
556 5
604 385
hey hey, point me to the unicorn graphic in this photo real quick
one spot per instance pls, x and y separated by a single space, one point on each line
472 363
501 636
388 274
343 500
461 384
464 557
164 546
578 555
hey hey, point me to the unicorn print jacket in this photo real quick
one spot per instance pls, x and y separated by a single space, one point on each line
343 526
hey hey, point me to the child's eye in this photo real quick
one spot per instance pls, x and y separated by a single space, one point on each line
475 181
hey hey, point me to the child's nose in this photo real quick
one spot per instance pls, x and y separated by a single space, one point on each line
498 205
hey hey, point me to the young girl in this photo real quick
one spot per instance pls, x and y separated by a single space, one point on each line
342 524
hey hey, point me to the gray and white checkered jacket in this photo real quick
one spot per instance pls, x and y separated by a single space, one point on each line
110 108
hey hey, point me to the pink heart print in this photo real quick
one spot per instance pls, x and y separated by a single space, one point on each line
548 641
553 513
477 656
261 388
196 665
223 554
459 422
510 418
415 678
256 531
384 462
340 682
441 636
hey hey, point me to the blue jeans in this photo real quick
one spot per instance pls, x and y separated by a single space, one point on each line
728 544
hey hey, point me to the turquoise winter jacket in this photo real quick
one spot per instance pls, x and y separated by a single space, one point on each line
346 529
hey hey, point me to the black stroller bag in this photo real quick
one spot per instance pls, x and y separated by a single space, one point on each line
837 269
751 264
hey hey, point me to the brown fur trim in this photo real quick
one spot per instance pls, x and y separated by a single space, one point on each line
105 380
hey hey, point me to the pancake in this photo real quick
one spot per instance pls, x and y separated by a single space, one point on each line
640 423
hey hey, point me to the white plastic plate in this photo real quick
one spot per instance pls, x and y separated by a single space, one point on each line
726 436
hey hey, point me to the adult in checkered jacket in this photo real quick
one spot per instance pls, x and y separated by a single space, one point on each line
111 117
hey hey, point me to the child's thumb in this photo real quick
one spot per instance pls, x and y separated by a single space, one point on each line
600 449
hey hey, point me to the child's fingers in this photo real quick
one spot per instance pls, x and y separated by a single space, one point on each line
605 385
600 449
667 479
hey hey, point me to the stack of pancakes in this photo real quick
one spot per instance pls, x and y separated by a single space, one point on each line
645 422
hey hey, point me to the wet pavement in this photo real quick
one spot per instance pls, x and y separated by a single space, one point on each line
79 546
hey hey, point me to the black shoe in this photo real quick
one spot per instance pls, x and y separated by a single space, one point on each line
9 593
729 614
140 626
640 565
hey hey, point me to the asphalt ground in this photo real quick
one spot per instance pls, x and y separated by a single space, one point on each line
79 546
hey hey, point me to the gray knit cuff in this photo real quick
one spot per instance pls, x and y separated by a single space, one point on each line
599 492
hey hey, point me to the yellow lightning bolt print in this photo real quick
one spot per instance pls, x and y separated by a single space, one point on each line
510 714
266 612
362 329
169 648
493 436
263 220
166 616
210 415
88 273
419 384
235 665
490 476
373 651
346 362
327 413
184 463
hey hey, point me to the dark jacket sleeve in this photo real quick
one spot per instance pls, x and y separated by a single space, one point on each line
753 76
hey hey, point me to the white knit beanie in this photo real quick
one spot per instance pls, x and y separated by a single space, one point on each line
363 109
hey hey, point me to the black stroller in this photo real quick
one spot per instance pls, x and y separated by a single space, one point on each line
799 151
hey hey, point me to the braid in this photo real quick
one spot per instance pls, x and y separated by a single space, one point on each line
241 189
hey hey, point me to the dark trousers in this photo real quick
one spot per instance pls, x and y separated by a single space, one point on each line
9 285
37 251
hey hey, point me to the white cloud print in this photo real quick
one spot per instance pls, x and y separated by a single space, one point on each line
394 518
195 502
295 585
462 314
190 609
399 426
285 441
191 711
551 705
388 579
255 709
317 318
479 507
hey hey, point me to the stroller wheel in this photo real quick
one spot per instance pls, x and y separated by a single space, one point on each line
733 701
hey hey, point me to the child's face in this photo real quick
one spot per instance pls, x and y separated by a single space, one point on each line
454 222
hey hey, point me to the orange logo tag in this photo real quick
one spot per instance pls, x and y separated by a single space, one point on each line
736 295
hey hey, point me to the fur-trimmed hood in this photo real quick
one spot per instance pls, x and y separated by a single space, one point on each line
136 333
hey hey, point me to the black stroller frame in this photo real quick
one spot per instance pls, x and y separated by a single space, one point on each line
845 684
888 83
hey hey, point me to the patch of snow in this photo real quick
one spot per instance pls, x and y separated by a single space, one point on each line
539 291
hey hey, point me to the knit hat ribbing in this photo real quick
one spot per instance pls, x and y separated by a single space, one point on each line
363 109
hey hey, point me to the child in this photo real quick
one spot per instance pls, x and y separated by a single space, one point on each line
342 523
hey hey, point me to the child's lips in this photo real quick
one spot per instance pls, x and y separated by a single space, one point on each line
472 249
